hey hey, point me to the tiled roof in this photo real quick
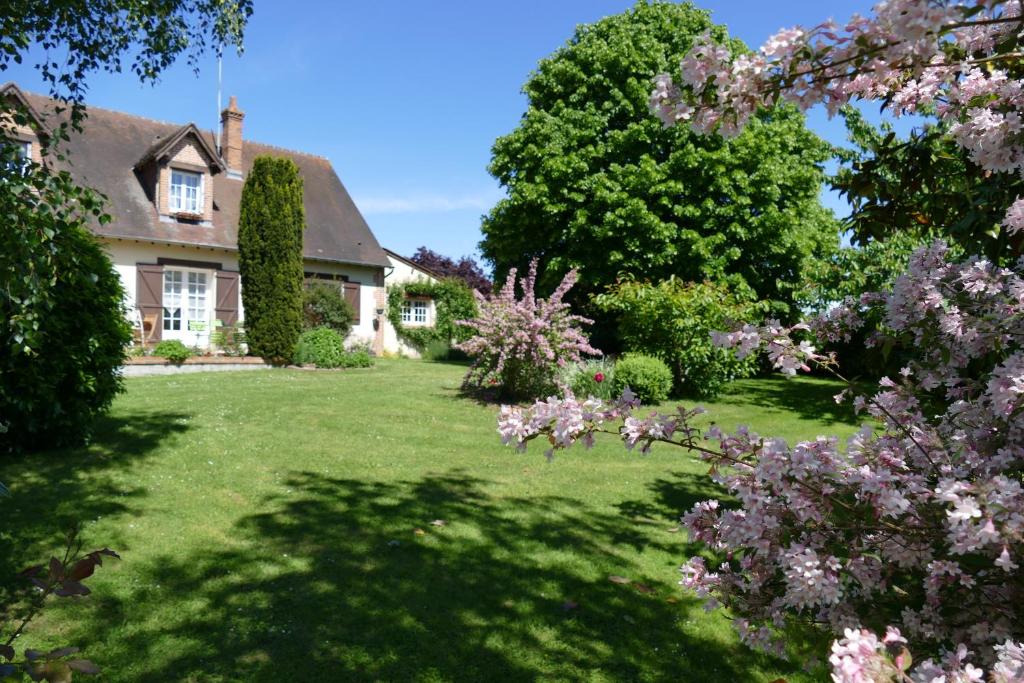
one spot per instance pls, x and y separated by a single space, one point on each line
105 155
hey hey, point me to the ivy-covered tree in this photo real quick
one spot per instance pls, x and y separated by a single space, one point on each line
270 226
596 183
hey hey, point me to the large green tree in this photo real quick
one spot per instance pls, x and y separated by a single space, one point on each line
595 182
62 325
270 226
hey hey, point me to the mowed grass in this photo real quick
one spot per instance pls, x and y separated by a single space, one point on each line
368 525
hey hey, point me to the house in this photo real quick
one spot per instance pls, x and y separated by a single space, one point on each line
173 194
417 311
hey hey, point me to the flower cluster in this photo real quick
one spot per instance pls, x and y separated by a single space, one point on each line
520 343
954 56
914 529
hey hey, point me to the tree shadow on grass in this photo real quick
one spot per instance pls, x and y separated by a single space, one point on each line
808 399
347 580
52 491
673 496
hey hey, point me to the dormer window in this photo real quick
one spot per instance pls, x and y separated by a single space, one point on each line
22 155
186 192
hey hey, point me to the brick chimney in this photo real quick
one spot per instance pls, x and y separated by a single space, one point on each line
231 138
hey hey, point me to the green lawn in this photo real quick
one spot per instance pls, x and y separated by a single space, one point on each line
276 526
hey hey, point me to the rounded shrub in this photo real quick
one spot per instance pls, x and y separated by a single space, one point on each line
646 376
358 358
173 350
63 333
324 305
322 347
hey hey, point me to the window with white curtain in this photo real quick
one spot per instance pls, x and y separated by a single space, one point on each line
186 191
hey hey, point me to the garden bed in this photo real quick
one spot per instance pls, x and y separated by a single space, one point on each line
154 365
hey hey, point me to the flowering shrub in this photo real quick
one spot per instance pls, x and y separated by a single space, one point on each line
958 57
915 530
521 344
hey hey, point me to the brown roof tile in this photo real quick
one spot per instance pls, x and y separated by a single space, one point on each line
105 155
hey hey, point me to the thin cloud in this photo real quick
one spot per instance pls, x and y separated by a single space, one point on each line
428 203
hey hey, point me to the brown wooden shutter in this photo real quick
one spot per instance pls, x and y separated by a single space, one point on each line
227 298
352 296
149 295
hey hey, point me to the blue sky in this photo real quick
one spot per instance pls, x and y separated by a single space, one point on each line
406 98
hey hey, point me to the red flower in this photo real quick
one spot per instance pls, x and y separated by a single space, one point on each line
599 377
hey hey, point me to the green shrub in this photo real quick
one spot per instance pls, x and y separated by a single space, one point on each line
673 321
591 378
173 350
646 376
63 331
358 358
442 351
270 225
322 347
324 305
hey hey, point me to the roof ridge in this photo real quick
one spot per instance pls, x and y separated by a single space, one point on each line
288 149
106 109
172 123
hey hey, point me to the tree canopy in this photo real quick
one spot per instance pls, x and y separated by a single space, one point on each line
62 326
465 269
595 182
924 185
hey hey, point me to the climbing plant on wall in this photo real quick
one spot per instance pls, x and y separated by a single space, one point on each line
453 301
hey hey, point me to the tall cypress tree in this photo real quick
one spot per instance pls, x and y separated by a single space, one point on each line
270 225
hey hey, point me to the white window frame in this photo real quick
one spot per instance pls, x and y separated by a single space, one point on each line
25 148
185 308
420 312
416 312
180 202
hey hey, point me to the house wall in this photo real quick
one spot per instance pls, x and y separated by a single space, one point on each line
126 254
401 273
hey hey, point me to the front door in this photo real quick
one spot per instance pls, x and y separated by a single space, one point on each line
187 299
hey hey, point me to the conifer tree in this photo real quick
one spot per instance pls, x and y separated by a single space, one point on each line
270 226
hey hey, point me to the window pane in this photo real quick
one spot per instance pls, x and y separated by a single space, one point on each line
185 191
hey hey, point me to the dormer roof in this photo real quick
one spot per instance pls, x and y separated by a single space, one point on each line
165 147
11 90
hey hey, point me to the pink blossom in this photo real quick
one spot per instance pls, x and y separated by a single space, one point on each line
929 502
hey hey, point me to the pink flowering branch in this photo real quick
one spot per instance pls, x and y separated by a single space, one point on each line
915 529
911 55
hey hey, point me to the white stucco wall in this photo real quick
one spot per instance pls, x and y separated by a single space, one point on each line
126 254
401 273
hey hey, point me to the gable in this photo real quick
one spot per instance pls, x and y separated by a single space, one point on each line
188 145
18 102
